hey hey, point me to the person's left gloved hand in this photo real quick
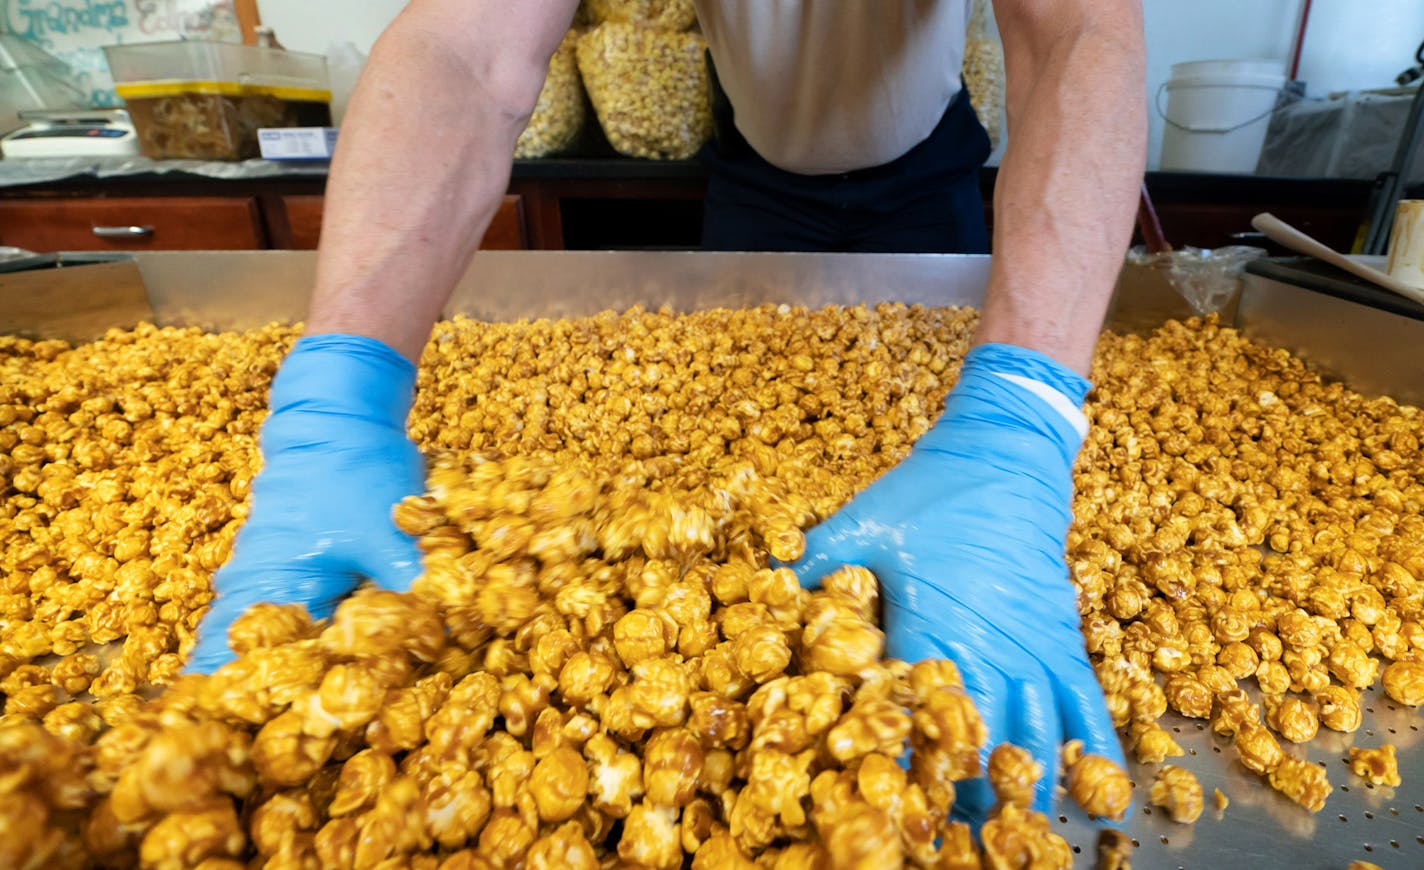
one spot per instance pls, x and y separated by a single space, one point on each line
335 460
967 537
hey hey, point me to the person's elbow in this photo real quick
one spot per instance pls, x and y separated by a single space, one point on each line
1046 41
1115 26
500 79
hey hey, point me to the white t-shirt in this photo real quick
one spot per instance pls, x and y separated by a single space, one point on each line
826 86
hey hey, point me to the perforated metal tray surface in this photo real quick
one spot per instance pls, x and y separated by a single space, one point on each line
1263 829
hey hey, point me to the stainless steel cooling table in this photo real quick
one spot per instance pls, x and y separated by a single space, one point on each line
1374 349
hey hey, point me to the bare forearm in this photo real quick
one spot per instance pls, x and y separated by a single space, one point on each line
424 161
1068 184
406 204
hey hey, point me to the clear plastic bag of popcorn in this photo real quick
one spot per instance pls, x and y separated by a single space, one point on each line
983 70
560 113
648 88
673 15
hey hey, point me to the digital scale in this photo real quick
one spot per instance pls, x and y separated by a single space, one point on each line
72 133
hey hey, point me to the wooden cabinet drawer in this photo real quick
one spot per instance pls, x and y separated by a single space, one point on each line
303 225
192 223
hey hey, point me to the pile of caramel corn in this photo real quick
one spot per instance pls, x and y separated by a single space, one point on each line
599 663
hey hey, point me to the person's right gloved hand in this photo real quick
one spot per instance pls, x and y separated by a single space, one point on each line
336 459
967 538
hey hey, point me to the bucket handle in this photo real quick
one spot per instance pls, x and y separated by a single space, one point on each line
1192 128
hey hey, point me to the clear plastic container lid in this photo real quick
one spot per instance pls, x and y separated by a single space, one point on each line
155 69
30 79
17 53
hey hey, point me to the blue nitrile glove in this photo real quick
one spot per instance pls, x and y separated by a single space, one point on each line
336 458
967 536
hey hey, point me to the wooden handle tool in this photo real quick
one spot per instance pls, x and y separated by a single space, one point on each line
1284 234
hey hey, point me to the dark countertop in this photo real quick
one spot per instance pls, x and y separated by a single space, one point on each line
88 175
607 169
17 176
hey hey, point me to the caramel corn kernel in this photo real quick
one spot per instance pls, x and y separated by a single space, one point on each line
1096 784
1176 789
1377 766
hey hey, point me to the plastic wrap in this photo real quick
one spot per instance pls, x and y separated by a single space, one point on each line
560 112
983 70
1208 278
1348 135
648 88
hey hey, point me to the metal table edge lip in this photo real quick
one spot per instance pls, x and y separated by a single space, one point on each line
247 289
1316 276
58 260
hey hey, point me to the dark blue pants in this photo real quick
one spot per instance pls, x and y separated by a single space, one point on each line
926 201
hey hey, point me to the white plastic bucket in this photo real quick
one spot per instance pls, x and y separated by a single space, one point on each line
1217 114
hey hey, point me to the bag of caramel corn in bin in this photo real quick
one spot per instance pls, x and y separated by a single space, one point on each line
560 112
983 71
673 15
648 88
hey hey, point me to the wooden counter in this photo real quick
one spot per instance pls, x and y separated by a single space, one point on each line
564 203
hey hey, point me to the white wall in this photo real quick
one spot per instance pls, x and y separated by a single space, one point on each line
1352 45
312 25
1179 31
1349 44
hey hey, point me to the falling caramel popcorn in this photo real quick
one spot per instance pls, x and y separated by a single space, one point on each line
1013 773
1095 783
1019 838
1176 790
1114 850
1152 743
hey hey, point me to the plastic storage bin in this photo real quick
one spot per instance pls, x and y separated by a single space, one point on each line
206 100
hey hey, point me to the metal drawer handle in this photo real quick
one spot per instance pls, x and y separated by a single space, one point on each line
129 232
